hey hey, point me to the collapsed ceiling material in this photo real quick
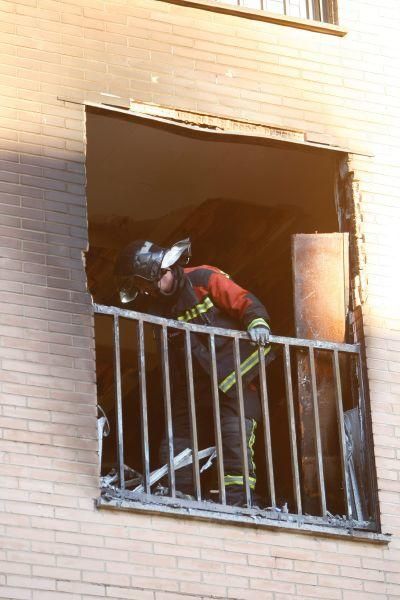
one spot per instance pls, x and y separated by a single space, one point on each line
250 242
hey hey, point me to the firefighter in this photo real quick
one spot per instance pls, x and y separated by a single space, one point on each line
202 295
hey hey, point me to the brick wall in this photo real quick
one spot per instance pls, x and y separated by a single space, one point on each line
54 544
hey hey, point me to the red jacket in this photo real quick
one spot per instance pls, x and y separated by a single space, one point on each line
208 296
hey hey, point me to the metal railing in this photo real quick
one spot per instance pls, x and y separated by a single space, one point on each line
315 10
147 479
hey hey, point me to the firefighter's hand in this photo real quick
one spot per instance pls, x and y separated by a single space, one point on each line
259 335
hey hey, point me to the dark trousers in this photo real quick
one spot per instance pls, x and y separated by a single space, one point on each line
230 431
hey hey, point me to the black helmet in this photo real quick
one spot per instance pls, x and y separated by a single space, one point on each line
140 266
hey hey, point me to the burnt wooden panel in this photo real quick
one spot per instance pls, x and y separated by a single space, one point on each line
320 283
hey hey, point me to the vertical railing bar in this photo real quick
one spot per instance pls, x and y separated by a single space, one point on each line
317 434
362 396
368 440
342 433
292 430
217 420
267 427
118 401
331 11
242 424
192 415
284 7
309 9
143 408
168 411
366 434
321 10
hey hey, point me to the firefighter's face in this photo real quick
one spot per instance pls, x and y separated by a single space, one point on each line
163 285
166 282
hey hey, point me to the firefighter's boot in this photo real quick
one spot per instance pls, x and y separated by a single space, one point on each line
233 459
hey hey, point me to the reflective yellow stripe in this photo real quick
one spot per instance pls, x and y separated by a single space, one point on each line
196 310
252 440
238 480
256 322
245 367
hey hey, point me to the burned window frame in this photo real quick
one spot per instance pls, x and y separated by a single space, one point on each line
348 210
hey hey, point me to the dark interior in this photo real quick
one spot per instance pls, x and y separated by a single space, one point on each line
239 200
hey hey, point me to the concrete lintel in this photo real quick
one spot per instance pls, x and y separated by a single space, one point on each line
214 124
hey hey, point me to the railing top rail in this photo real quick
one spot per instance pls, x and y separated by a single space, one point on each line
275 339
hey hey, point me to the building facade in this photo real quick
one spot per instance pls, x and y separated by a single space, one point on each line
334 86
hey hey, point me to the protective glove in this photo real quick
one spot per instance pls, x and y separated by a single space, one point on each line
259 335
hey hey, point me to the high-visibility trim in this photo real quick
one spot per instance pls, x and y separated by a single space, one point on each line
257 323
239 480
196 310
251 443
245 367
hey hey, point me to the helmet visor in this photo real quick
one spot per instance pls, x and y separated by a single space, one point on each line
179 253
128 289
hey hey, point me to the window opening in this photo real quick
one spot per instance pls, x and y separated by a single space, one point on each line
241 202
